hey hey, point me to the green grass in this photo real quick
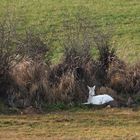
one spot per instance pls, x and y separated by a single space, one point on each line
105 124
45 15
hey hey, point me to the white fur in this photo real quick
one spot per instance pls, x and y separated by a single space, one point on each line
97 99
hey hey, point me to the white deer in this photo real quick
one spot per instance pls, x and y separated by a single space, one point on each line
97 99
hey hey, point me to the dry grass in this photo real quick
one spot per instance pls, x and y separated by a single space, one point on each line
106 124
31 81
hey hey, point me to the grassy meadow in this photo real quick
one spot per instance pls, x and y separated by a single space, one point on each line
43 16
105 124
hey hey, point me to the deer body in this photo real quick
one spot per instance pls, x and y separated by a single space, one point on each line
97 99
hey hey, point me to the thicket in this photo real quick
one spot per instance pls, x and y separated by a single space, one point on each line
27 77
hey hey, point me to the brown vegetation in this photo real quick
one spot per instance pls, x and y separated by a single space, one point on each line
103 124
32 81
8 53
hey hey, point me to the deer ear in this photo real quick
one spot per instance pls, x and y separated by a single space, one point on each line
88 87
94 87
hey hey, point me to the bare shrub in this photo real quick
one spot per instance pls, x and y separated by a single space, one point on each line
30 79
78 42
78 68
70 78
33 46
25 67
30 74
124 78
132 79
116 74
63 92
113 72
8 55
106 56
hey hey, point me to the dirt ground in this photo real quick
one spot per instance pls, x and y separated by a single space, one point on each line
103 124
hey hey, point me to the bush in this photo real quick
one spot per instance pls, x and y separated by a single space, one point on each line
22 66
8 55
28 79
30 74
69 79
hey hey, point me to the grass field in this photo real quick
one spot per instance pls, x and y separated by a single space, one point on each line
45 15
105 124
